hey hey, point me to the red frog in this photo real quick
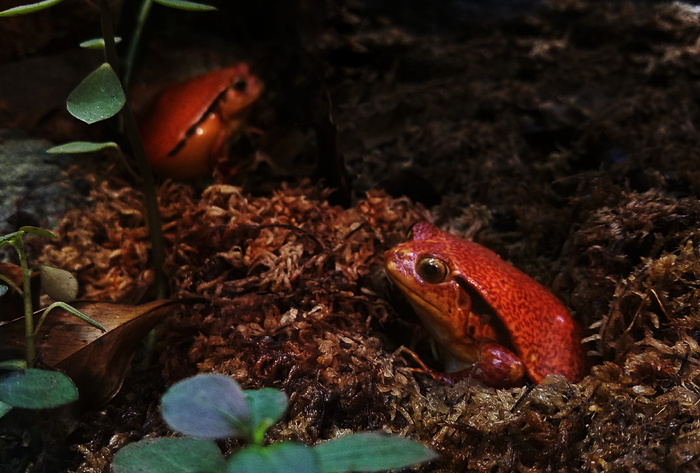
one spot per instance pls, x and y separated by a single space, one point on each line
491 321
187 129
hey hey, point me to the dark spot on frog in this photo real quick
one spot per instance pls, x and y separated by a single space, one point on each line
486 313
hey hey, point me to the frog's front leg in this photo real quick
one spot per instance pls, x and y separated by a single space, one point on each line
497 367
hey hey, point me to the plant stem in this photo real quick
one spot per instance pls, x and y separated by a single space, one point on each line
153 214
10 284
108 35
135 42
29 337
149 187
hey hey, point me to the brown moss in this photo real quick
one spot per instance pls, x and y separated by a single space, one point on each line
566 141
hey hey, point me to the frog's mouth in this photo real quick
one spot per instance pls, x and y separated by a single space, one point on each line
432 316
419 304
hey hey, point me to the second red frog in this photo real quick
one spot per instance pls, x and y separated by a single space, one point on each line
187 129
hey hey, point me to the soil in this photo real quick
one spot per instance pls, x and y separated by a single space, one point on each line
563 137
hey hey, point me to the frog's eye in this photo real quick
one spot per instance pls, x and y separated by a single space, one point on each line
239 84
432 270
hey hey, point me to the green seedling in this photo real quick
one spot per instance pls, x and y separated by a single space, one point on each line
21 384
209 407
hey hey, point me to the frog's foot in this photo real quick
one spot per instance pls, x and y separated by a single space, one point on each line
425 369
498 367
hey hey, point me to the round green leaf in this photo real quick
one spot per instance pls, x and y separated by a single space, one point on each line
283 457
4 408
98 97
211 406
81 147
59 284
266 407
370 451
169 455
31 8
37 389
185 5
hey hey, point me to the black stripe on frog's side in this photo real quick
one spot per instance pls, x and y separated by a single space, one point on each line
480 307
239 85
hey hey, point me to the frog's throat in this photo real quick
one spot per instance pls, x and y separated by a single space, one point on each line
454 345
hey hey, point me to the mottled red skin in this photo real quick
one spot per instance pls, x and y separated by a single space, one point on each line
186 129
542 336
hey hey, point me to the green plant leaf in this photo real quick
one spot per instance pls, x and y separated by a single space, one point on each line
81 147
370 451
71 310
37 231
266 407
13 364
37 389
9 238
59 284
31 8
169 455
283 457
211 406
98 97
98 43
4 408
185 5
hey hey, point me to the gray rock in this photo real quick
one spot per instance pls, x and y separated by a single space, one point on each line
34 189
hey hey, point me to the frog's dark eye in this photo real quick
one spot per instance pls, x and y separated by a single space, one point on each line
432 270
239 84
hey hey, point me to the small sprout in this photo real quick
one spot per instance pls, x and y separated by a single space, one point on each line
209 406
21 385
98 97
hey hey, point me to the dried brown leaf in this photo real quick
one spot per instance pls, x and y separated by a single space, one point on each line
96 361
